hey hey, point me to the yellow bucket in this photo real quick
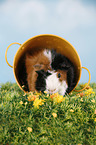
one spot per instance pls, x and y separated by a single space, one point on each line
45 41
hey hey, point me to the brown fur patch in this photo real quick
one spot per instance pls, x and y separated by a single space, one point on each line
34 62
63 75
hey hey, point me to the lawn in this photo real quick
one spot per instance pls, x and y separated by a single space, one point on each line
41 119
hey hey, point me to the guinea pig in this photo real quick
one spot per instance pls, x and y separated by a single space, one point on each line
62 63
34 62
57 82
52 81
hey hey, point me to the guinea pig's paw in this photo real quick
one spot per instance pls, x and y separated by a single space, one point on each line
62 92
51 91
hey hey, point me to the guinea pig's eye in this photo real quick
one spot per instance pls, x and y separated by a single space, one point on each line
38 66
59 75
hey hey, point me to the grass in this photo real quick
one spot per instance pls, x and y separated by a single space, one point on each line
69 121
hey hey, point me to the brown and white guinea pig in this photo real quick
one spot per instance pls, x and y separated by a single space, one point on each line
35 62
52 81
60 62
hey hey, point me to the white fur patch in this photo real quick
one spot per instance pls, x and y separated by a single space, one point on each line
48 54
53 85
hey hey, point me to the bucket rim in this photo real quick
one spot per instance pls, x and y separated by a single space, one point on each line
49 35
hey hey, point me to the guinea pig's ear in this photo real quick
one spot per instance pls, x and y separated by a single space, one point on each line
38 66
65 66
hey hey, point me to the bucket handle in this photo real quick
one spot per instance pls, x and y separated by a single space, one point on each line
7 51
88 80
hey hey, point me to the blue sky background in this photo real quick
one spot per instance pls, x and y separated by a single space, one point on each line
74 20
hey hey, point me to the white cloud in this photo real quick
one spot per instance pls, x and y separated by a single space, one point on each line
63 15
23 13
74 13
31 12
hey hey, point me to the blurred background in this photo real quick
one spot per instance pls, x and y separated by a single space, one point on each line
74 20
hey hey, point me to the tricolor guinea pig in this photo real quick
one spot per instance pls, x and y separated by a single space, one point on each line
52 81
60 62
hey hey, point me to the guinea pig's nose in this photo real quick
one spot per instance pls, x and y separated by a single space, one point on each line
49 68
51 90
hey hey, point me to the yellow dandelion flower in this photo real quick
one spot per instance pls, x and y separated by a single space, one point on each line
32 97
54 115
89 92
21 102
47 95
26 103
45 92
38 102
57 98
81 99
29 129
95 119
85 85
95 111
71 110
37 93
53 95
93 101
